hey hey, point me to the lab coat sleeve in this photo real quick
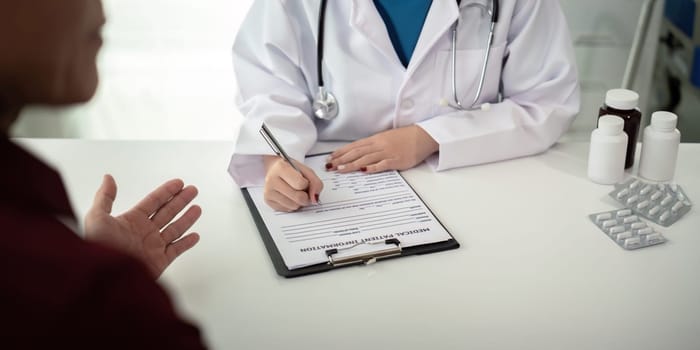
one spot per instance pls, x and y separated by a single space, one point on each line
541 96
272 89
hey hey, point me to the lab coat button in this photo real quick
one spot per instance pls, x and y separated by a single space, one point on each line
408 103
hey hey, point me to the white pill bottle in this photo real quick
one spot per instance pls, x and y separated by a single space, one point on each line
606 157
660 147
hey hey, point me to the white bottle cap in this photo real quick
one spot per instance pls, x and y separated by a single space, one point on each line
610 125
622 99
664 121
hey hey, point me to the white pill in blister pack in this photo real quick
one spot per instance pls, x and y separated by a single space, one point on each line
676 207
623 213
638 225
603 217
626 230
630 219
632 242
609 223
663 204
623 193
617 229
623 236
645 231
655 210
655 237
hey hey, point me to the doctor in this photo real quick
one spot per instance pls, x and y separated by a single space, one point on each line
453 83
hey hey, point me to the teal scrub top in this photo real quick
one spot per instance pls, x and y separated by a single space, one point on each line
404 21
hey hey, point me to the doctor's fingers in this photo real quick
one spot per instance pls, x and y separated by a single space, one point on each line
367 141
348 155
362 163
293 178
280 202
382 165
315 184
299 197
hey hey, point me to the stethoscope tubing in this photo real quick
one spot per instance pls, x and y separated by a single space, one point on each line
457 104
319 46
326 105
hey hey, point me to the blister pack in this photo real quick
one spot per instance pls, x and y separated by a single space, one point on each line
626 229
662 204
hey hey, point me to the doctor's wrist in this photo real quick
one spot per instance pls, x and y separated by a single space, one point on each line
425 143
269 161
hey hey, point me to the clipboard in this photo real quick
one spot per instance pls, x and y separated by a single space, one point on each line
386 249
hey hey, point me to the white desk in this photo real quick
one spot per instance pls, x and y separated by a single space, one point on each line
532 273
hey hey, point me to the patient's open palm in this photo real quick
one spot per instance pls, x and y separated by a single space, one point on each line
145 231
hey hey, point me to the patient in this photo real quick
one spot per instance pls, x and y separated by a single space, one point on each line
56 289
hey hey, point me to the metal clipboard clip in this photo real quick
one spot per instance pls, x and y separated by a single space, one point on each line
393 249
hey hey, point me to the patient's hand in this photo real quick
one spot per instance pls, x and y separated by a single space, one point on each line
145 231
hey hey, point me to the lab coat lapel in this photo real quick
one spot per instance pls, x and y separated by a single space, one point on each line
441 17
365 18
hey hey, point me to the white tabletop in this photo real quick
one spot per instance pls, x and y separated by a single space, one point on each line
532 273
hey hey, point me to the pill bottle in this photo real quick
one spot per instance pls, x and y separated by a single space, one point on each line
606 157
623 103
660 147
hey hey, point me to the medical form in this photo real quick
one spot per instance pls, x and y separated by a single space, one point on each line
358 213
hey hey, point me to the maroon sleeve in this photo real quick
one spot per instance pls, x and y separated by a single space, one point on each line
125 308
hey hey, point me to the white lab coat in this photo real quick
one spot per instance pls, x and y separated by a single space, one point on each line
275 63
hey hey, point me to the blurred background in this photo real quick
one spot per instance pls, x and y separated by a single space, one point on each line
166 70
165 73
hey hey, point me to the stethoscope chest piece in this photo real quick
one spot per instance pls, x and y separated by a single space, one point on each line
325 105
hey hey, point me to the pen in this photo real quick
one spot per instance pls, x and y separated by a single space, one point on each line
272 141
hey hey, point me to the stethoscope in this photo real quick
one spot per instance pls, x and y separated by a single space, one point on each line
325 105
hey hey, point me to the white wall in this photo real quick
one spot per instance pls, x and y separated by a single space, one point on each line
166 69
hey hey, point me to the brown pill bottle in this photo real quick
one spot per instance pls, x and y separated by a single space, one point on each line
624 104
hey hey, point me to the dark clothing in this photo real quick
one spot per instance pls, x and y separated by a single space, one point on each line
58 291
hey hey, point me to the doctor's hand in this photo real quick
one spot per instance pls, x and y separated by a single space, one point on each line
396 149
286 189
145 231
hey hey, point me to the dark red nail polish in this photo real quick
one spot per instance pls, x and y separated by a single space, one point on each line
316 196
363 169
329 166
